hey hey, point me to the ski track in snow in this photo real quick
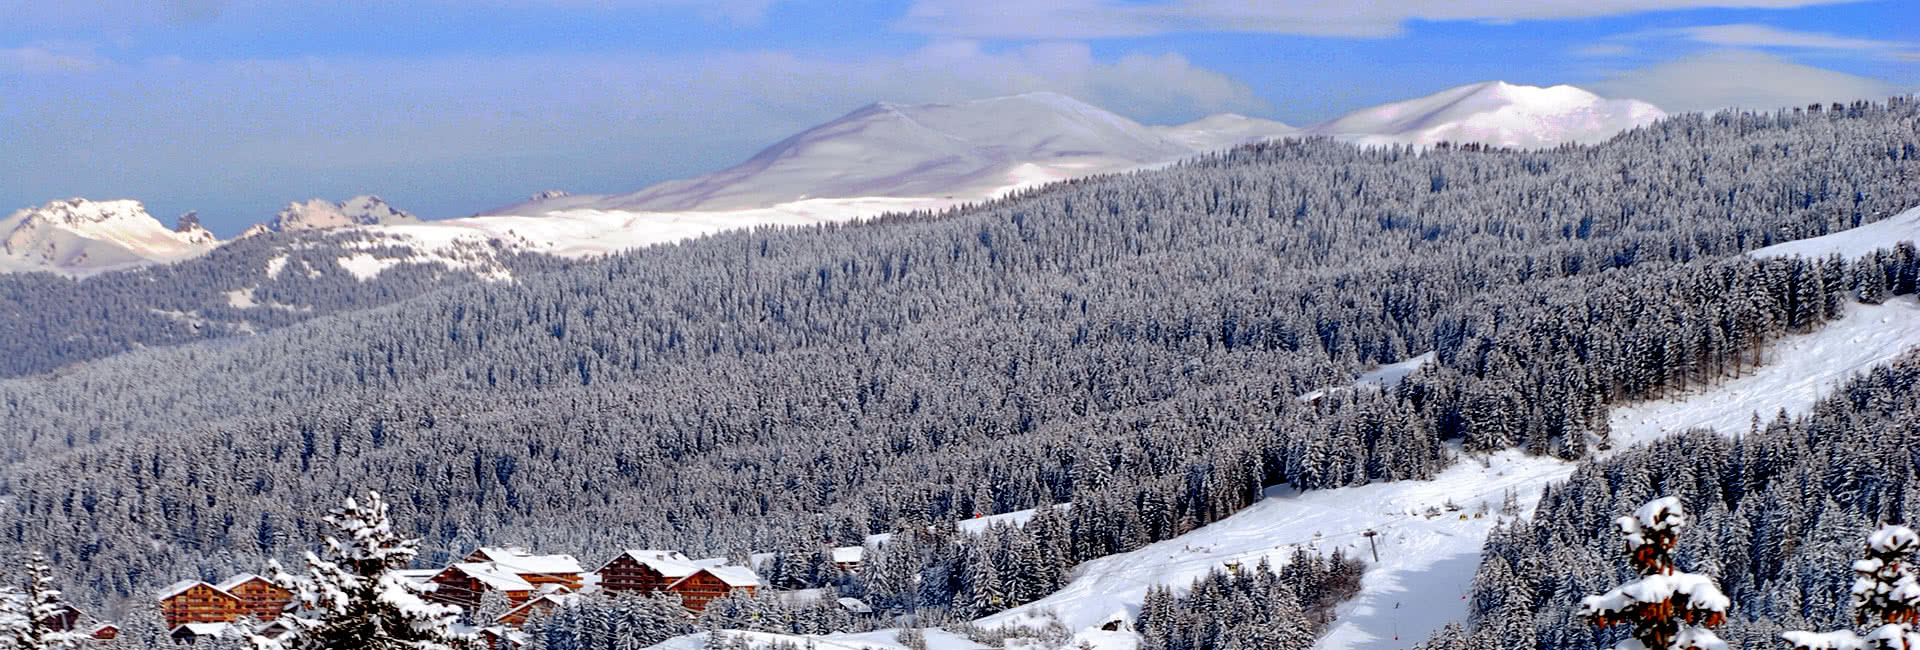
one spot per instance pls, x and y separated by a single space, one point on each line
1427 564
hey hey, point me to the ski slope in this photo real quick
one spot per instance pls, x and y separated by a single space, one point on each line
1852 242
1427 563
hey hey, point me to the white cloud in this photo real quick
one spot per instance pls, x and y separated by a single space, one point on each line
1603 50
125 16
1083 19
1739 78
1748 35
49 58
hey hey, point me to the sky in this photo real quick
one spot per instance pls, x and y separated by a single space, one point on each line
447 108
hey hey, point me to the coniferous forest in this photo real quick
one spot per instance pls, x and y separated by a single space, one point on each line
1134 345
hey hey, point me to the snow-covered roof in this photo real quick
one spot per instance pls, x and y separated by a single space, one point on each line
239 579
855 605
182 586
203 629
671 564
734 576
508 634
493 576
849 554
524 562
418 576
559 599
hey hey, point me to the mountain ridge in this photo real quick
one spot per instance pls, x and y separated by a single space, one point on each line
892 157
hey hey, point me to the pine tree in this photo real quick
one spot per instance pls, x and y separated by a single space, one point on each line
354 598
1884 591
30 618
1669 609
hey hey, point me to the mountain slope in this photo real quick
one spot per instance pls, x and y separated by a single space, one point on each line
82 236
1853 242
1494 113
1224 131
971 149
321 214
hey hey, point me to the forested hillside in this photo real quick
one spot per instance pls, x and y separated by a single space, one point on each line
247 286
1133 344
1780 514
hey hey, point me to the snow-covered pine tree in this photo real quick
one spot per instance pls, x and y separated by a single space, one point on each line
13 616
354 598
1885 590
1669 609
30 618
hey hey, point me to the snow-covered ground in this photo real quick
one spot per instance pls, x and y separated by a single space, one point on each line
1495 113
1426 564
1853 242
1383 376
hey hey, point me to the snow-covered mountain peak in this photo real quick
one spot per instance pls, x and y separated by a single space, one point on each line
78 235
972 150
1495 113
78 212
318 214
189 229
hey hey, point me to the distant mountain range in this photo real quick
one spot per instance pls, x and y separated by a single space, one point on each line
880 158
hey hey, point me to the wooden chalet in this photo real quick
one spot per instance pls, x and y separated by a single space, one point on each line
537 570
195 632
709 583
542 605
644 571
259 598
502 638
195 602
465 582
848 558
64 619
104 632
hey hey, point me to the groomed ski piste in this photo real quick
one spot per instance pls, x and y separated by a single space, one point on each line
1426 561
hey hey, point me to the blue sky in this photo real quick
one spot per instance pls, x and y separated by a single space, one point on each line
449 107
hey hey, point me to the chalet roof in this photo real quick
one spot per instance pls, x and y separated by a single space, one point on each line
550 599
419 576
182 586
524 562
855 605
103 626
512 636
671 564
491 575
240 579
849 554
734 576
203 629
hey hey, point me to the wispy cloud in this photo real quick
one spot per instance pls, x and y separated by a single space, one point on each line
1739 78
1603 50
1750 35
50 58
1086 19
